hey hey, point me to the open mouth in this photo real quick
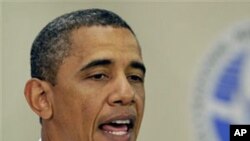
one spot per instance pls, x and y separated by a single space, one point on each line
118 127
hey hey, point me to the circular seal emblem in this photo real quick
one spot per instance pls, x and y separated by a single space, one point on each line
222 89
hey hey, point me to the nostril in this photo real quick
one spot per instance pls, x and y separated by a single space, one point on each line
123 102
118 102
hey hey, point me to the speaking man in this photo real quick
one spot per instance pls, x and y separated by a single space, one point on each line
87 78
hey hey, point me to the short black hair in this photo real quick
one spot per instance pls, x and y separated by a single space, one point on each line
53 43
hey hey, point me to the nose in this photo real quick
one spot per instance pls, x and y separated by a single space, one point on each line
122 92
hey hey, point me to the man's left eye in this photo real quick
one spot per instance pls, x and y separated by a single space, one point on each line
135 78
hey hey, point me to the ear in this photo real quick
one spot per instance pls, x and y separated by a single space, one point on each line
37 94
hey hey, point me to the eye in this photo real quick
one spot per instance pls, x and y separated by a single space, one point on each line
98 76
135 78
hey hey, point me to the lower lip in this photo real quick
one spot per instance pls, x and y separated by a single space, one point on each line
117 136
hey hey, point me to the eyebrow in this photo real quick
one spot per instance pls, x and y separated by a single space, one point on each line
95 63
104 62
138 65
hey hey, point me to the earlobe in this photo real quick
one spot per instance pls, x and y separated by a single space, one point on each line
37 95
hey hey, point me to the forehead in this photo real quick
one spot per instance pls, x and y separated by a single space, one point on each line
100 38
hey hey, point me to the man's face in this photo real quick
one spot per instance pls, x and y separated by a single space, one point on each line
99 95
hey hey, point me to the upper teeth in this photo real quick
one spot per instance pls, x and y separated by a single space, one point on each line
121 121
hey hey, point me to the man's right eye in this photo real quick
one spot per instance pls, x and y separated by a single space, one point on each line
99 76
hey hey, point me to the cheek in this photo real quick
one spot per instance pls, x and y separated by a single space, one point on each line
140 96
76 110
92 102
77 104
140 101
90 107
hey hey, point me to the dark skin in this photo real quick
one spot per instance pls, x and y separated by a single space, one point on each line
102 80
